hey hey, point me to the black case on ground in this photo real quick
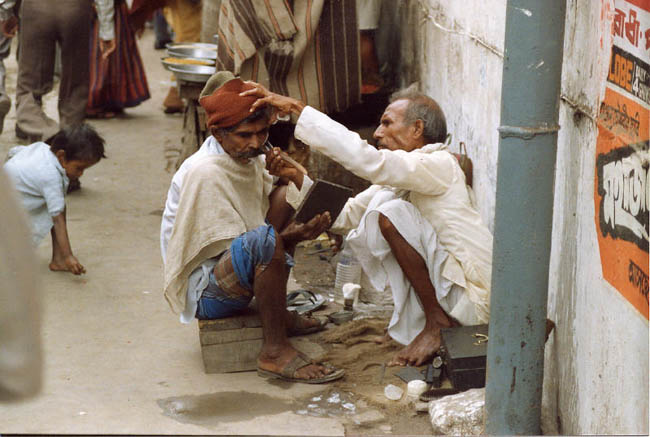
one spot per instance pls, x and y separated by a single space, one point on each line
465 356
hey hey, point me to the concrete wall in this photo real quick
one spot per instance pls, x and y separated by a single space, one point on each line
459 72
596 367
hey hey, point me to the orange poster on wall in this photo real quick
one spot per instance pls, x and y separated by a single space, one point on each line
622 187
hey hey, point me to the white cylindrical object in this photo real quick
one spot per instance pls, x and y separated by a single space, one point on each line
351 292
416 387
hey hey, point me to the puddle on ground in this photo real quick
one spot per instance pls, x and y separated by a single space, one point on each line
209 410
212 409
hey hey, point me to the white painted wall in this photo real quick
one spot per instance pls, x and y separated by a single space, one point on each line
596 367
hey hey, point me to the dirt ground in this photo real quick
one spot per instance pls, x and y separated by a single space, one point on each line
352 346
117 360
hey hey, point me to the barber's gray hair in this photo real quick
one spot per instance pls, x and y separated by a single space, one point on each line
423 107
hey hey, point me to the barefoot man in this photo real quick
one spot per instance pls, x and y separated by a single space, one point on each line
416 228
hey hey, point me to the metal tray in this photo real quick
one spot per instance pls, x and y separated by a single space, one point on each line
192 50
201 45
192 73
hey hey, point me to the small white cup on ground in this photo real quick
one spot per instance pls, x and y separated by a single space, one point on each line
415 388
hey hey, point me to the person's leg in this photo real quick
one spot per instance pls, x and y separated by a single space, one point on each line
227 295
161 30
37 39
270 291
279 210
73 21
186 23
5 101
427 343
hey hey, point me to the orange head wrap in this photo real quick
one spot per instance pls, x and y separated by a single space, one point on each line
224 106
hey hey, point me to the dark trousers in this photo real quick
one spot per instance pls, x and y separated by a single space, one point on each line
43 24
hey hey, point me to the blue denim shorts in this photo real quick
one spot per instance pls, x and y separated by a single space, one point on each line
232 290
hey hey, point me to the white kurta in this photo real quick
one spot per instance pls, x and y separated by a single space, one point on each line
436 187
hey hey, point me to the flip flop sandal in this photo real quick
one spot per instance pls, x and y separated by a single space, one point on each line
298 362
303 301
322 321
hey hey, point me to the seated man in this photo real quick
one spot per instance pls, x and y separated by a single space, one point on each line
230 240
416 228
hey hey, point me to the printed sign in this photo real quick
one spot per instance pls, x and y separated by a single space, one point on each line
622 187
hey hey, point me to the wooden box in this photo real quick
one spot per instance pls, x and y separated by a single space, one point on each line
464 351
231 344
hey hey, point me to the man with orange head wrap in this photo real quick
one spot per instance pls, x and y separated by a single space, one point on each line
225 236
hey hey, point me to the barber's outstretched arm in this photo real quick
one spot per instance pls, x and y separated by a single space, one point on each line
283 105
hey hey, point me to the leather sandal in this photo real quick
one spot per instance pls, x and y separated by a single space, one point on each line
298 362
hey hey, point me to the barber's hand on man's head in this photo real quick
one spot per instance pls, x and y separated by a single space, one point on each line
282 105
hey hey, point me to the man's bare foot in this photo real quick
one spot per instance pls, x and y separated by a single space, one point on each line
425 345
422 348
290 364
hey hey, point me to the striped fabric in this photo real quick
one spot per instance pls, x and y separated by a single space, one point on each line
227 279
120 81
307 49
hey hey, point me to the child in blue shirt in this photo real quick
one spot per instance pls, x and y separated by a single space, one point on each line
41 173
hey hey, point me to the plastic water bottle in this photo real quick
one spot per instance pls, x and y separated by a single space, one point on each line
348 269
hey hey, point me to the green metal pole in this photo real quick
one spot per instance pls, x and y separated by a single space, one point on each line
530 99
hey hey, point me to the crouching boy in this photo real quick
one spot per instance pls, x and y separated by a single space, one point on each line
41 173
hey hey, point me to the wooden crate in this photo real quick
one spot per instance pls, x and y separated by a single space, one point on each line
231 344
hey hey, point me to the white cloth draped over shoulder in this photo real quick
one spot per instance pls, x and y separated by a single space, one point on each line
209 147
433 182
213 200
220 199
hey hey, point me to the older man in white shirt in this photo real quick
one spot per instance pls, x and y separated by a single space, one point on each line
416 228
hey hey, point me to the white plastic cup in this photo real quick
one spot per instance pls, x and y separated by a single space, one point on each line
350 295
415 388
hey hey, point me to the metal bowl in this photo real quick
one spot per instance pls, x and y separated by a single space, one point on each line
341 317
168 65
192 50
191 72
